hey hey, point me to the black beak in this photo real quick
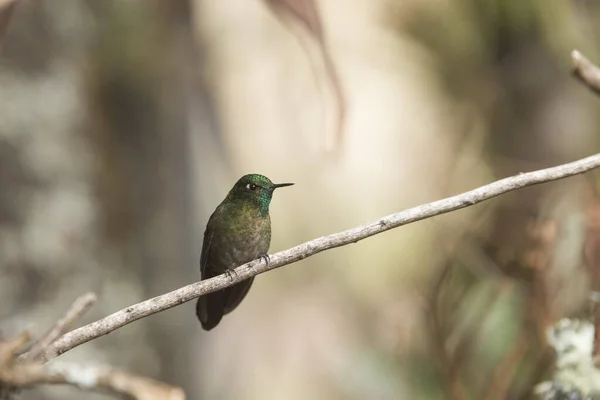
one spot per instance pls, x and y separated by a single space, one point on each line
278 185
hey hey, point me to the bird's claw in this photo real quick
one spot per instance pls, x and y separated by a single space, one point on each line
266 258
230 272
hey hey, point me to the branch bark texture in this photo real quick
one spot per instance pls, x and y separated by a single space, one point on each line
312 247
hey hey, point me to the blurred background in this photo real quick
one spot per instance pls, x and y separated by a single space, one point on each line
125 123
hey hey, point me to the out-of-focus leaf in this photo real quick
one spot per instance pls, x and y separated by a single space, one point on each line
306 13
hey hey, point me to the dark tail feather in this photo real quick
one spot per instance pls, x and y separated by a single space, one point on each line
211 307
237 293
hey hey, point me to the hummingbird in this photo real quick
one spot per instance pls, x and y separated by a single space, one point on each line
237 232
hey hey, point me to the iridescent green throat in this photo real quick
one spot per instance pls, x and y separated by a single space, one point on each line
264 199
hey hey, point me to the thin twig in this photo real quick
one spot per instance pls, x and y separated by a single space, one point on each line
310 248
585 71
17 375
76 311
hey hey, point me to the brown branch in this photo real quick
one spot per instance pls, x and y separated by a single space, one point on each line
438 334
585 71
505 372
594 300
90 378
312 247
541 366
591 253
6 11
76 311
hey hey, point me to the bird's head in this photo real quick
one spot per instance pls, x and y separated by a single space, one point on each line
255 189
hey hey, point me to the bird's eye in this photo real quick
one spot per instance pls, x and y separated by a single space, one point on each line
251 186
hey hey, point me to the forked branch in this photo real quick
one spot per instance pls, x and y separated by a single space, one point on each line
20 375
62 326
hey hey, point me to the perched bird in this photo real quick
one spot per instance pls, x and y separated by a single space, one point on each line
237 232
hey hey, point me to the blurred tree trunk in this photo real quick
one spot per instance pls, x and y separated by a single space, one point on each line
98 164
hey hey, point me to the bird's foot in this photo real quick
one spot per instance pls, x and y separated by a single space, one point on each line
230 272
266 258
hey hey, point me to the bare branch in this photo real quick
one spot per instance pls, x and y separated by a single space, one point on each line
22 375
312 247
76 311
585 71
